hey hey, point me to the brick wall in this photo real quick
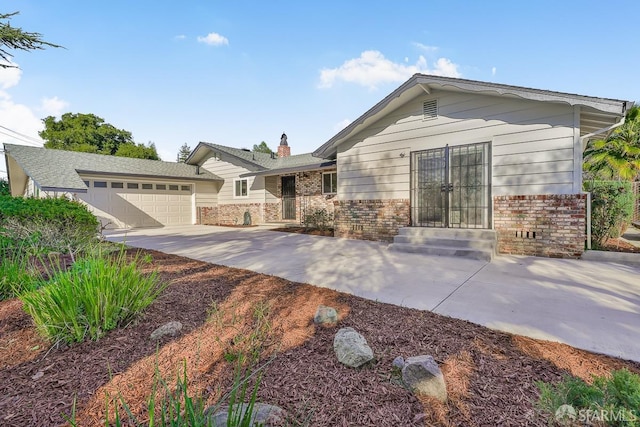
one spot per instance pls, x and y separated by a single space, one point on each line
309 195
370 219
234 214
208 215
543 225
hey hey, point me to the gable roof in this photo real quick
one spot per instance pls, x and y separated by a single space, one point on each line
596 115
260 163
58 170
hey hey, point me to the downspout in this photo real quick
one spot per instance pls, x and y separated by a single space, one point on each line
583 142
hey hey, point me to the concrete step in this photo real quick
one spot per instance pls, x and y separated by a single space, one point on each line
470 243
447 242
454 233
484 255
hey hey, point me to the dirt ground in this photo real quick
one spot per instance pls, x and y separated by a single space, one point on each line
490 375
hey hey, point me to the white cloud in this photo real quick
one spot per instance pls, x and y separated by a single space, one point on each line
425 48
372 69
180 37
493 71
17 117
341 125
10 77
53 106
214 39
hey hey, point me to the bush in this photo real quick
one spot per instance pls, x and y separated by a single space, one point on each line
611 208
17 276
44 225
4 187
96 295
318 218
613 401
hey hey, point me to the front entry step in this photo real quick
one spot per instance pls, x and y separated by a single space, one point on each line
468 243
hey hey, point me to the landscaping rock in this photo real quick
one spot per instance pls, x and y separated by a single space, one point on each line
423 376
263 415
398 362
325 315
351 348
168 329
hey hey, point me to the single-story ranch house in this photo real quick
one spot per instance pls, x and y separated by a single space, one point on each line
435 153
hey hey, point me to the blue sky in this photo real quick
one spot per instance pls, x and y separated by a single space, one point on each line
238 73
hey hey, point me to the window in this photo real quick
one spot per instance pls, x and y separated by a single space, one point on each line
330 183
147 186
185 188
100 184
86 183
117 185
161 187
241 188
173 187
132 185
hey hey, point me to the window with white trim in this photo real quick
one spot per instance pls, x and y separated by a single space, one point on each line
241 188
329 182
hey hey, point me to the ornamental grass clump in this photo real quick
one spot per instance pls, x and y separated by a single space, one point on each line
97 294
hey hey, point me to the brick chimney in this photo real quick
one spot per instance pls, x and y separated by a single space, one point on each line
283 149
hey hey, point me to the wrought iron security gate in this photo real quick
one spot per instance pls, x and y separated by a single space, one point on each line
451 187
288 197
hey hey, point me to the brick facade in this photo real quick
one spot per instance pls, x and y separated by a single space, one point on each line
371 219
208 215
309 195
543 225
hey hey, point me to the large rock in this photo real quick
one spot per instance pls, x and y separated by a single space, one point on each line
423 376
351 348
168 329
263 415
325 315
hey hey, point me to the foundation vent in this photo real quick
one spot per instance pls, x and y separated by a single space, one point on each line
430 109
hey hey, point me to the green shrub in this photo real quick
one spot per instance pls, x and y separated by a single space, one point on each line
16 276
44 225
96 295
4 187
611 401
318 218
611 208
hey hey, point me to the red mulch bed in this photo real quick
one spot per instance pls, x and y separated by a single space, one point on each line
304 230
490 375
620 245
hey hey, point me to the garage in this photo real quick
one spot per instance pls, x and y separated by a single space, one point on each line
118 203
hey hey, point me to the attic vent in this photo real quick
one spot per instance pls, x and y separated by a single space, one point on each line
430 109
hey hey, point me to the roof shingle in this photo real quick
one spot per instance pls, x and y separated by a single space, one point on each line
58 169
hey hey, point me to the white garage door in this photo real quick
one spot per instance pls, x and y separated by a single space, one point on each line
139 203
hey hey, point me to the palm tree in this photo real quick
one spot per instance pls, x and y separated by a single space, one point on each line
616 157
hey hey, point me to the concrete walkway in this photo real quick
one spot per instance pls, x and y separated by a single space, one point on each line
589 305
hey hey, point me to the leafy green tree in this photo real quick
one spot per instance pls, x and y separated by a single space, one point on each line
89 133
14 38
138 151
618 156
183 153
262 148
4 187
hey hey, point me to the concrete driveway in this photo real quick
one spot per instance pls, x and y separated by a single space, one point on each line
589 305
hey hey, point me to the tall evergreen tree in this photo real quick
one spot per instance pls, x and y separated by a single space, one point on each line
183 153
14 38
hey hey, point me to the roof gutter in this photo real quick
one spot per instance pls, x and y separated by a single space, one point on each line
270 172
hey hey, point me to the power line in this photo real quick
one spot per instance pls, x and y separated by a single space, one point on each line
26 141
36 140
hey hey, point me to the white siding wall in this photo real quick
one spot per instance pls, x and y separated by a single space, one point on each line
229 173
206 194
532 145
